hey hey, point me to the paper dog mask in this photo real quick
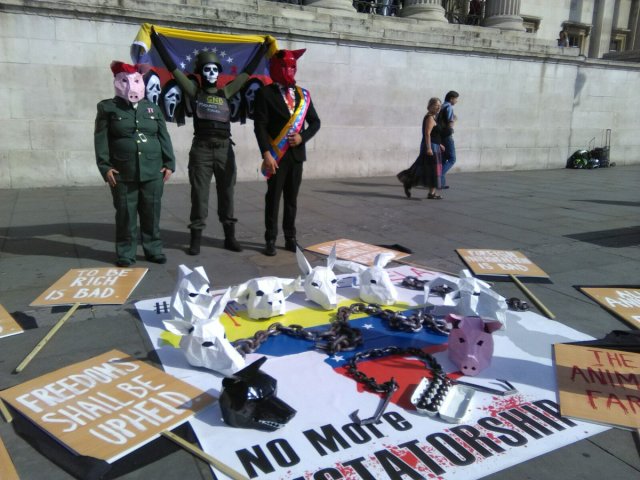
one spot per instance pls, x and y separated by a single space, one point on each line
320 283
265 297
249 400
375 284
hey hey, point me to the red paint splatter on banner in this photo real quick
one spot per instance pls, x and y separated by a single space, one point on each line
500 404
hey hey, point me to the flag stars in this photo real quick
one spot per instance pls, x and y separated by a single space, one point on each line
223 54
183 65
195 52
188 58
368 326
229 60
337 358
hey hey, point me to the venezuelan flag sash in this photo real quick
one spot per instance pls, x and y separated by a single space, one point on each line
280 144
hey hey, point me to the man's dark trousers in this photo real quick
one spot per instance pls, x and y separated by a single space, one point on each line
212 157
133 199
285 183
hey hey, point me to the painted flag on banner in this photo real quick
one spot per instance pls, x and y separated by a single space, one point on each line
234 51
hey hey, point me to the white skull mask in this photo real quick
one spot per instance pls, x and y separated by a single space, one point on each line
320 283
172 99
210 72
265 297
204 342
153 88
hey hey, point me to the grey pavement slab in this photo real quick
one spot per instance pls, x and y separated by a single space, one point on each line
581 227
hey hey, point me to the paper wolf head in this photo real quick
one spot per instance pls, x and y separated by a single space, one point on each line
320 283
249 400
265 297
196 320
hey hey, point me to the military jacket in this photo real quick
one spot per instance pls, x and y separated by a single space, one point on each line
134 141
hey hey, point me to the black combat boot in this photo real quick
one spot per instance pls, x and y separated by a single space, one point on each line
196 238
230 242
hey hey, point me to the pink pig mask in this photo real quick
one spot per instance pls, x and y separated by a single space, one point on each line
128 82
471 343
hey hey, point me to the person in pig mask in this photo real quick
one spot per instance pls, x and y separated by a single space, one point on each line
135 157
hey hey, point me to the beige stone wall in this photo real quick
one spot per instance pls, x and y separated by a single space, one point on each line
524 102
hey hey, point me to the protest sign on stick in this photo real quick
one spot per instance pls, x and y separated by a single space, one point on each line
354 251
82 286
8 326
623 302
107 406
507 264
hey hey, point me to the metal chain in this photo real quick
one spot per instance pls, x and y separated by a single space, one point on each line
340 336
415 284
430 362
514 303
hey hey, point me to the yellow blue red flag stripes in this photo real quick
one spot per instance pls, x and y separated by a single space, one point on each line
234 51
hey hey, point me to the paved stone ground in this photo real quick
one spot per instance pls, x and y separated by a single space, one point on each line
581 227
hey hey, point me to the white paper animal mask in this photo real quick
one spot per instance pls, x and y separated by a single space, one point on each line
320 283
468 296
265 297
191 300
204 342
374 281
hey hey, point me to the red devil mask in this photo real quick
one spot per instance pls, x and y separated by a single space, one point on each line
283 66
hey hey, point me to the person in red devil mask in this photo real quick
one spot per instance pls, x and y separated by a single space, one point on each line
284 121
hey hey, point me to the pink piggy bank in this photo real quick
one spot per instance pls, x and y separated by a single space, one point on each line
471 343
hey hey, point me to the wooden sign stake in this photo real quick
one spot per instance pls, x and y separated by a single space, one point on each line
532 297
228 471
46 338
5 412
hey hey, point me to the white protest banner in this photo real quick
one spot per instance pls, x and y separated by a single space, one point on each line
8 326
322 440
599 385
92 286
354 251
624 302
500 262
107 406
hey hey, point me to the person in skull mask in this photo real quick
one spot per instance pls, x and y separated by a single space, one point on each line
211 151
281 111
135 157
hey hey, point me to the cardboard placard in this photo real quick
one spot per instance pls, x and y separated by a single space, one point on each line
623 302
7 470
94 286
8 326
107 406
598 385
355 251
500 262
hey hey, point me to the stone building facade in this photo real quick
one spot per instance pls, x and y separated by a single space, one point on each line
525 103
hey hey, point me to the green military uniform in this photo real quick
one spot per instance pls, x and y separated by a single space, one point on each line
136 143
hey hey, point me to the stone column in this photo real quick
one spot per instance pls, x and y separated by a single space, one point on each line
333 4
503 14
430 10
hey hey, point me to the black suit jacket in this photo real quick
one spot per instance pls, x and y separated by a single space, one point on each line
271 115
